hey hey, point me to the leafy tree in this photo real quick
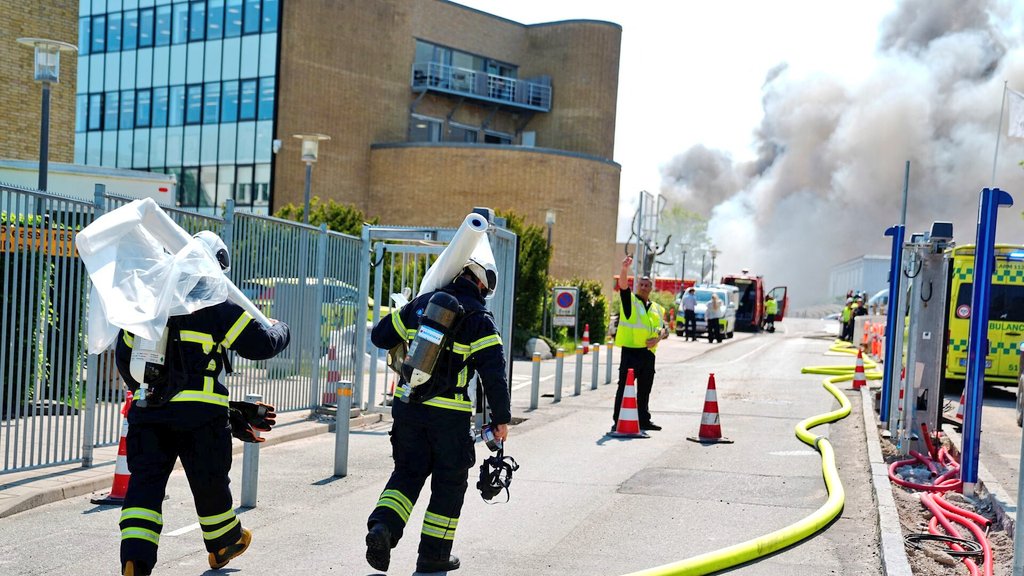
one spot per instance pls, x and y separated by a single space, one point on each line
338 217
532 281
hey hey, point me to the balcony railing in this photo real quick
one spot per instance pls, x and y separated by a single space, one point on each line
530 94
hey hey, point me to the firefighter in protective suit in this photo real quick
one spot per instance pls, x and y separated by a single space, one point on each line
431 433
186 415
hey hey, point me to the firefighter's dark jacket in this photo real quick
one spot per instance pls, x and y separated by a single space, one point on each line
476 347
198 359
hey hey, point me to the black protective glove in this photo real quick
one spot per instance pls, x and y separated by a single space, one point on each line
240 427
260 416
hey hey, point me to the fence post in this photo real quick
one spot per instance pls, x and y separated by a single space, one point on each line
92 365
559 364
579 371
317 312
608 370
251 463
535 382
341 428
360 321
596 366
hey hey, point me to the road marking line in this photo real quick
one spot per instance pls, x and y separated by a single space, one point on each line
527 383
184 530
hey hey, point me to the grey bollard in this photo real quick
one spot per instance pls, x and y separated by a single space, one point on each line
608 371
341 428
579 371
535 382
596 365
559 365
250 464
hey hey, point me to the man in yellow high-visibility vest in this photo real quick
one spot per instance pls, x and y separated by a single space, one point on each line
641 328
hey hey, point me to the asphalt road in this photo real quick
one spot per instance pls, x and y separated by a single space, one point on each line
582 503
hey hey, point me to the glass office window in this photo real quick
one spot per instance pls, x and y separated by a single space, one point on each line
112 112
140 155
175 137
268 55
270 8
160 107
459 133
225 182
98 6
162 28
211 103
215 19
114 32
157 146
190 146
266 105
93 148
83 36
250 65
124 149
80 140
147 70
264 137
208 154
113 5
112 72
213 53
143 107
197 21
252 17
424 129
208 186
95 112
232 57
179 26
127 109
188 187
98 34
82 78
243 185
131 29
128 70
176 106
108 157
261 183
146 20
229 102
194 72
247 100
193 104
130 4
81 113
245 142
96 72
226 152
233 18
179 58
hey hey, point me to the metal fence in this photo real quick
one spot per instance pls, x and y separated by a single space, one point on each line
57 402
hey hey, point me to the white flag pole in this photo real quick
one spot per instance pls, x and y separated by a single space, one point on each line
999 132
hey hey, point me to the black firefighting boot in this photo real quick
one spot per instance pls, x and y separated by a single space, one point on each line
220 558
378 547
132 568
427 565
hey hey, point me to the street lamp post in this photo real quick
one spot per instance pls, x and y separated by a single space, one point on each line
682 269
714 253
310 153
47 71
549 219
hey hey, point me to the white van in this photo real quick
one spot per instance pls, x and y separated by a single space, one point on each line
727 294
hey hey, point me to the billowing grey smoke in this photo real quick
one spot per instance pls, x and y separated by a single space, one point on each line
828 178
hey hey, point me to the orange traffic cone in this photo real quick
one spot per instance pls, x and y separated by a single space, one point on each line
710 429
859 380
121 472
628 425
960 408
586 338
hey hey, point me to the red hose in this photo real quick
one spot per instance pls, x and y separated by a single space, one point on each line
928 441
972 566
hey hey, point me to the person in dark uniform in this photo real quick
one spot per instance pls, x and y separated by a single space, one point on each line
431 434
641 328
185 415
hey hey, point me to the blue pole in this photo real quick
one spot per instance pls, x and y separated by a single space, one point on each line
977 342
892 318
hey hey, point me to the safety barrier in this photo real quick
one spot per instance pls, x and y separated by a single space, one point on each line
578 375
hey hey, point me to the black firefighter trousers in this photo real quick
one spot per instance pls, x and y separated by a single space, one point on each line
205 453
444 452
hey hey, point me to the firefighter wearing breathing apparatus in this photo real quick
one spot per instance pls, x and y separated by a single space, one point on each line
452 336
181 410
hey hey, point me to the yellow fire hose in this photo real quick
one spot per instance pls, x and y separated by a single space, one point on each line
743 552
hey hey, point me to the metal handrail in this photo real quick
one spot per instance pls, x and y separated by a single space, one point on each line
481 85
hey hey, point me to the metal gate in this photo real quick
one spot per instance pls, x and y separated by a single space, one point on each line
395 259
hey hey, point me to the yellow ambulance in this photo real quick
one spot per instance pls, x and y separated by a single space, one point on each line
1005 313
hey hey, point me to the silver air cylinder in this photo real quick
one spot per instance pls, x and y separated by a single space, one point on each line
439 317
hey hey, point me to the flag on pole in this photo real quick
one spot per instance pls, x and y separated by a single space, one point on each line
1015 127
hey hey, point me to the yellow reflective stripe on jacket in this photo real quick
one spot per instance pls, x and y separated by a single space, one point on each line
128 339
206 340
236 329
442 402
142 514
197 396
464 349
219 532
399 326
141 534
485 342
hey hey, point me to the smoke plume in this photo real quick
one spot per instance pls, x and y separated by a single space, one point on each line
828 177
